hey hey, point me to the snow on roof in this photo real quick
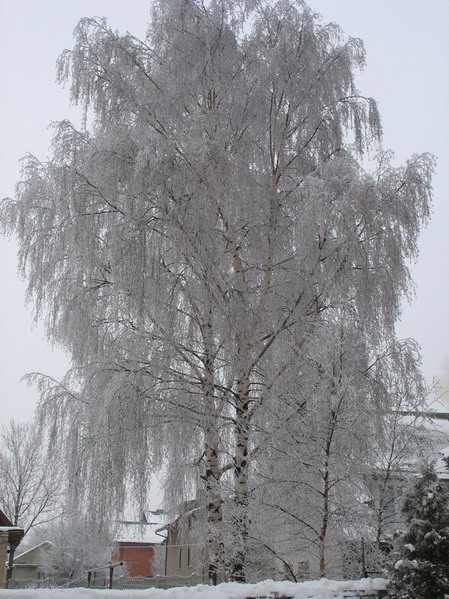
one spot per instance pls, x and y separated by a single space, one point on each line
15 534
128 531
430 435
429 439
45 544
183 515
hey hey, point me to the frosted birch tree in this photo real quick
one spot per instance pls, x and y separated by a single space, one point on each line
186 244
394 447
320 453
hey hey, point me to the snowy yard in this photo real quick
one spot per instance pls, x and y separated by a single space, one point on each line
317 589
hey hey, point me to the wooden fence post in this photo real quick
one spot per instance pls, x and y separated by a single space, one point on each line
363 557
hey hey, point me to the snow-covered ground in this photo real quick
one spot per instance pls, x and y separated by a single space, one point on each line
316 589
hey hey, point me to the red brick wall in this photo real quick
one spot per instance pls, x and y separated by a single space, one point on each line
137 557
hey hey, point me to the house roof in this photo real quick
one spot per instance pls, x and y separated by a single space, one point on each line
429 435
25 554
129 531
184 514
15 533
428 414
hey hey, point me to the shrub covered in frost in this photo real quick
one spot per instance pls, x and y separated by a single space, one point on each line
420 569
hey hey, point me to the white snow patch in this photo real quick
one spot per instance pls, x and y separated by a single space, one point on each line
316 589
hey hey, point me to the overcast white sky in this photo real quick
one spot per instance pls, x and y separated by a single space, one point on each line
407 43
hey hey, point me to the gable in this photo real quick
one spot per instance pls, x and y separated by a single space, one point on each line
4 520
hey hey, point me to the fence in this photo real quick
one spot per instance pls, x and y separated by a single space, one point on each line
121 583
159 582
38 583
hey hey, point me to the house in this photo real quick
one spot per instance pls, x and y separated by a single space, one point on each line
184 543
10 537
28 565
186 552
139 545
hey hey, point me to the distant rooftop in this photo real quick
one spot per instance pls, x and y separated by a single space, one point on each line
44 544
131 531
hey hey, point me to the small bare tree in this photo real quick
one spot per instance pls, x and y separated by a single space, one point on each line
30 484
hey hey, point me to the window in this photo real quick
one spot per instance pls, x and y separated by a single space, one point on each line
189 556
180 558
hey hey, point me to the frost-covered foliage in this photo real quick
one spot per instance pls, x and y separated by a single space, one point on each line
318 460
224 273
77 544
309 474
420 567
394 462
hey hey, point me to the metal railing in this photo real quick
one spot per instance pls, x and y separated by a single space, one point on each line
108 568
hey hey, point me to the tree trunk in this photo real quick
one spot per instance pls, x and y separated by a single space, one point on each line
240 516
214 546
326 495
10 566
12 548
214 543
324 523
